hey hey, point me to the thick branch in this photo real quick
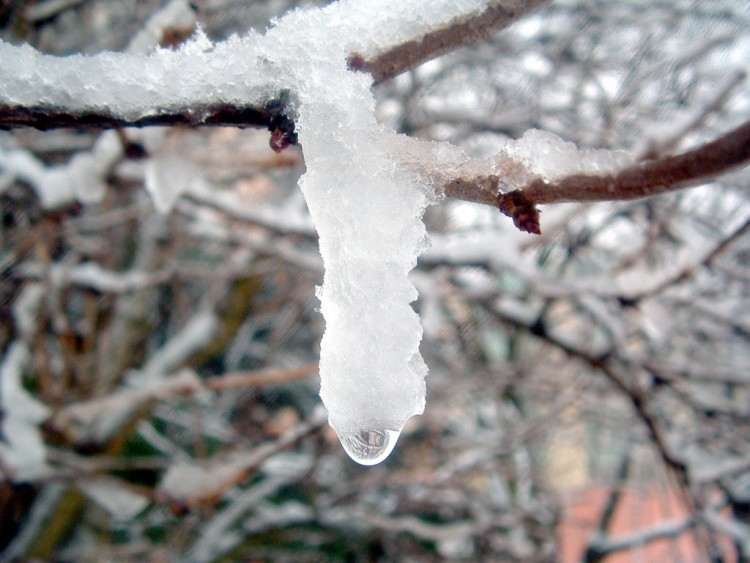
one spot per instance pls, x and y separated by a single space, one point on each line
645 179
460 32
651 177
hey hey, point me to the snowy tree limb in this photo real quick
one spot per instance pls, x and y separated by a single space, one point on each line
644 179
425 530
268 109
182 383
651 177
384 65
235 469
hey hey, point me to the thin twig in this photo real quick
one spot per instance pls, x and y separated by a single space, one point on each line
257 378
594 551
45 118
458 33
655 147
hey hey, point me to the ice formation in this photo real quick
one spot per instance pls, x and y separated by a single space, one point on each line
367 210
366 188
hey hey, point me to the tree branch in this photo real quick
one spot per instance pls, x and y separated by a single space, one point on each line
637 397
460 32
651 177
644 179
647 178
45 118
270 115
601 548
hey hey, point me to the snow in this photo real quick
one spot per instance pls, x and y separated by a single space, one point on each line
547 155
120 503
110 406
84 177
26 309
366 187
99 418
198 331
175 14
242 70
52 185
157 378
367 211
185 481
168 177
23 452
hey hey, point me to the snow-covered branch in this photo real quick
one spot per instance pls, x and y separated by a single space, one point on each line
620 183
192 484
213 95
243 82
651 177
631 390
183 383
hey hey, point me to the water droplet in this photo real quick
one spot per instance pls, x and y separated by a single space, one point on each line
369 446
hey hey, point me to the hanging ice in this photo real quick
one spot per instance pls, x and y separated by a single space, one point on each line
367 211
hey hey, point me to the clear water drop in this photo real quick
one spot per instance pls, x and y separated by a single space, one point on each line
369 446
